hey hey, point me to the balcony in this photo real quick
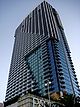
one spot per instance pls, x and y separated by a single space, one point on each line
57 58
62 82
47 71
62 86
47 75
59 69
59 66
61 77
58 62
60 73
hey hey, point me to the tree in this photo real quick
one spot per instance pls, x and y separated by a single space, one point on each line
69 101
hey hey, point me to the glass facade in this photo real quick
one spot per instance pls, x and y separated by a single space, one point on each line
35 63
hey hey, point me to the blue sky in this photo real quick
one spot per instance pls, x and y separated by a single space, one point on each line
12 12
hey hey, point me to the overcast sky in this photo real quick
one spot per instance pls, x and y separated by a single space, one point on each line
12 12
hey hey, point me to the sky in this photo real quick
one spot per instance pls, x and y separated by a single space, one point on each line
12 12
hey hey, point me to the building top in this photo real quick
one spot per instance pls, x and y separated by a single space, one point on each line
37 16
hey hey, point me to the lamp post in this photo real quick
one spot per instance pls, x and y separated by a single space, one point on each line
47 84
73 100
32 86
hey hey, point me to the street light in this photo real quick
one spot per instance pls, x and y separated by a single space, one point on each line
32 85
47 84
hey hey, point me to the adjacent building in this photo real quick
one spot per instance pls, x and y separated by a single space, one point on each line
1 105
41 55
30 100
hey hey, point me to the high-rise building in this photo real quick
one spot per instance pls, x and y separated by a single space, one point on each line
41 54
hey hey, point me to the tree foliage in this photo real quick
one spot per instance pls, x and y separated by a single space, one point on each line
69 101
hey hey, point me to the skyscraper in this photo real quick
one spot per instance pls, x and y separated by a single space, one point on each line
41 54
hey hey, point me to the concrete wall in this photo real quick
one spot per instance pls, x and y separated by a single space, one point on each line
13 105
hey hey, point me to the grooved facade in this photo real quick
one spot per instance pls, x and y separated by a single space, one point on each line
41 53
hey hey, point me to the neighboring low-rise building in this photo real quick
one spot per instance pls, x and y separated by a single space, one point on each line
1 105
30 100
